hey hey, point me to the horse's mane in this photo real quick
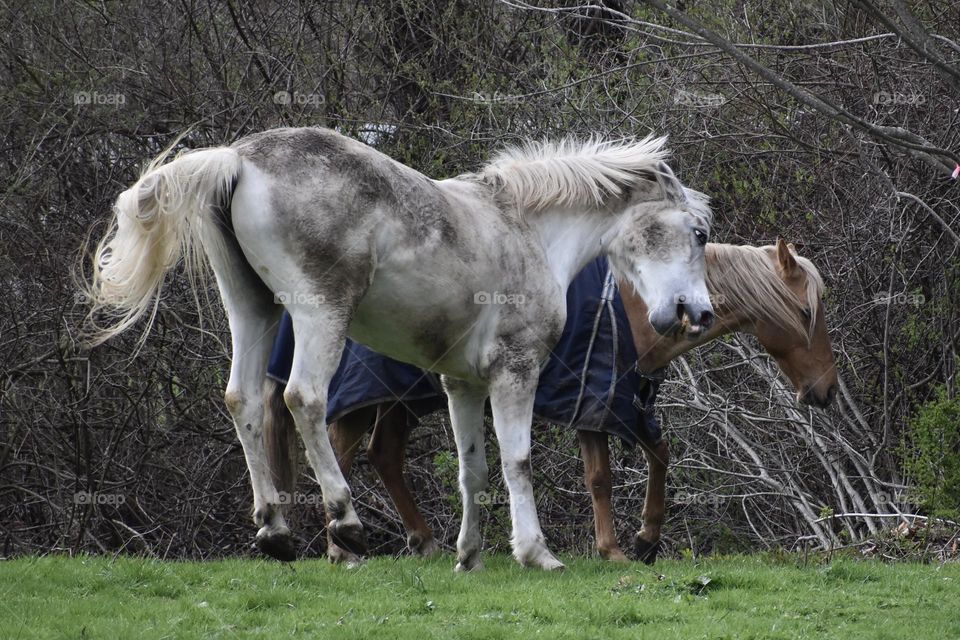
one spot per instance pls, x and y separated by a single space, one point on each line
743 276
539 175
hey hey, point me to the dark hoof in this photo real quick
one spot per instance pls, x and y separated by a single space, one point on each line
423 546
280 546
339 555
646 551
468 561
350 537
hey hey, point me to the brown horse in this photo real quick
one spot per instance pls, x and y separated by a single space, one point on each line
767 291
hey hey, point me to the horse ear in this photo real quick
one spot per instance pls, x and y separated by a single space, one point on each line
672 189
785 256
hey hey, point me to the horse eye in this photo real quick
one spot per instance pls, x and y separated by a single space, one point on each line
806 314
701 237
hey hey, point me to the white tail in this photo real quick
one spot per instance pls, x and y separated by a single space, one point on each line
156 222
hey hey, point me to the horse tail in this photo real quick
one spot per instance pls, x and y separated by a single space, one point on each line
170 212
280 438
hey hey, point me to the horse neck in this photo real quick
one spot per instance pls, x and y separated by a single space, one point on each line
571 239
655 351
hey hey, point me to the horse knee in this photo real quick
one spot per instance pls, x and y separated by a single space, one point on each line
658 454
307 407
598 483
236 401
293 397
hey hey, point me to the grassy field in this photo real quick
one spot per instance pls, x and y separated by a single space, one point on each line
738 597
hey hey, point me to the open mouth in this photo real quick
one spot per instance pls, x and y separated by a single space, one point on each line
686 324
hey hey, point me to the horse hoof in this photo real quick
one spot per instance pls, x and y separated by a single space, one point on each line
538 557
615 555
278 545
550 564
468 568
646 551
469 561
422 546
349 537
339 555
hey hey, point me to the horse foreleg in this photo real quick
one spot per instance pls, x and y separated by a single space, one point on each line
345 436
466 418
647 541
511 399
386 452
595 451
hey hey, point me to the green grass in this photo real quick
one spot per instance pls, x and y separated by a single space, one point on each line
736 597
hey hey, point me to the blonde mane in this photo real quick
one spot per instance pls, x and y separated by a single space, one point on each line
540 175
743 277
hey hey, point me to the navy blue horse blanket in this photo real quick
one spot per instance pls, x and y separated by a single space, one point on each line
589 382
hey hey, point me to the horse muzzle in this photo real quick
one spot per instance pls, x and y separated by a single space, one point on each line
691 317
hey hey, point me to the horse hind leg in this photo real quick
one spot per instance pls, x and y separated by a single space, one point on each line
321 334
345 436
386 453
253 318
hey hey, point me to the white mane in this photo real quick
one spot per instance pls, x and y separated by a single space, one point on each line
539 175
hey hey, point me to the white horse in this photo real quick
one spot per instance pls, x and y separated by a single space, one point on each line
466 277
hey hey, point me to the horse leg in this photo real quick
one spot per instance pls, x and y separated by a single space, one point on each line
253 319
511 398
647 541
386 451
466 418
595 451
345 436
321 335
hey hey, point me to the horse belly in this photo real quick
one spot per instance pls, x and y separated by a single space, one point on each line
419 322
